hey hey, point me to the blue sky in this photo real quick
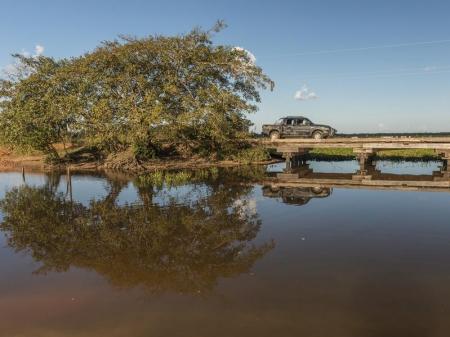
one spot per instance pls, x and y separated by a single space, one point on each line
362 66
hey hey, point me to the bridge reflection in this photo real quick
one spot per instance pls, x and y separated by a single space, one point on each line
298 184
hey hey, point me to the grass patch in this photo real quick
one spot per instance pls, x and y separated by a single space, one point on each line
331 154
251 155
423 154
160 179
347 154
164 178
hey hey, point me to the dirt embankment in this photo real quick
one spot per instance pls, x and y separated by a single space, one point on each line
10 160
121 161
124 161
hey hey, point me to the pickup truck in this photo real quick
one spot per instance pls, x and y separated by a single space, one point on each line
297 126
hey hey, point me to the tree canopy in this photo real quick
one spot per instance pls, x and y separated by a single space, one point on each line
180 94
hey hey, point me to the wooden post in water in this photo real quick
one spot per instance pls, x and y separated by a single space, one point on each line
69 183
23 174
445 169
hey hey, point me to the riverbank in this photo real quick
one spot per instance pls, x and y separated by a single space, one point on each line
86 161
122 161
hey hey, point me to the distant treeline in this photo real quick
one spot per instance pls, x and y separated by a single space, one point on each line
383 134
398 134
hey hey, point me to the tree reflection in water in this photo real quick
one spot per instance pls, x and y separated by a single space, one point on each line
181 247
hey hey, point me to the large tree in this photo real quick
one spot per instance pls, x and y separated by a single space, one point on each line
183 93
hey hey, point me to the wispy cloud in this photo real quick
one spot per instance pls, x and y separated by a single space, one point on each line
358 49
430 68
305 94
10 70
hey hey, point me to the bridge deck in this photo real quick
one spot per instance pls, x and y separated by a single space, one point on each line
379 143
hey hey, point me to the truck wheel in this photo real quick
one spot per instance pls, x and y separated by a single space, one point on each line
274 135
317 135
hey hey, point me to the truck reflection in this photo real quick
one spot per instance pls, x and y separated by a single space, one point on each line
296 195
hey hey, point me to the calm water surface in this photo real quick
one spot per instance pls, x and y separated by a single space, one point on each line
224 253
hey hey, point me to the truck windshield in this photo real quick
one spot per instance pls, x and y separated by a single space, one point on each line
279 121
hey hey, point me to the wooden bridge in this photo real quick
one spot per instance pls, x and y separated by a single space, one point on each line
363 148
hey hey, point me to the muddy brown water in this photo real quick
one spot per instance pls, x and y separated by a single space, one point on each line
217 253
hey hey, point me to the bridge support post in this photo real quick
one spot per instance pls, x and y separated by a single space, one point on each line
445 169
364 157
288 158
294 158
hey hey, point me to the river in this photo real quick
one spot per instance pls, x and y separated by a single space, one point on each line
318 250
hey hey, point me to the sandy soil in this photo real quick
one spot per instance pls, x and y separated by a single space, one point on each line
9 160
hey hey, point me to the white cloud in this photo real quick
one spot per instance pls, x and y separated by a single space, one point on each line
39 50
305 94
13 68
249 54
10 70
381 125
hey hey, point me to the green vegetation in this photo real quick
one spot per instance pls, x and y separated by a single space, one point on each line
251 155
424 154
346 154
164 178
156 96
161 178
